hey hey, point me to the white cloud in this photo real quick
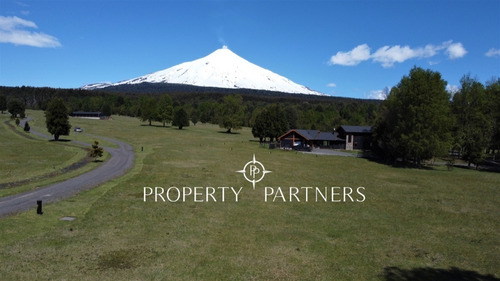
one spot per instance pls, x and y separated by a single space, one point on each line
455 51
331 85
389 55
353 57
493 53
12 30
378 95
452 89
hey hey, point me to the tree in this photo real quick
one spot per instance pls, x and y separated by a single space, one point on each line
194 116
270 123
16 108
27 127
106 110
415 121
96 151
472 132
148 109
180 118
231 113
165 109
3 103
493 96
57 119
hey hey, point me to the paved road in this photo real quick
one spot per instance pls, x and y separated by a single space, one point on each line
122 159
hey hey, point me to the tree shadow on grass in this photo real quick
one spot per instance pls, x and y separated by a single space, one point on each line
231 133
155 125
434 274
60 140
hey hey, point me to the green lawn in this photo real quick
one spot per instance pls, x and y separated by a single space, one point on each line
411 219
27 162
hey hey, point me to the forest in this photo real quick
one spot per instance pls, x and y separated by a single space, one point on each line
202 104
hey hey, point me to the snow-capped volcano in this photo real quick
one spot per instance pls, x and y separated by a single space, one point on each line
221 69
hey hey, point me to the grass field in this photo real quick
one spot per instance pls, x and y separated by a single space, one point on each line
28 162
431 223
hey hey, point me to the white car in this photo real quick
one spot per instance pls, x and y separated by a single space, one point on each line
78 129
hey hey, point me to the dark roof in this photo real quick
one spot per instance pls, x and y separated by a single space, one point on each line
356 129
86 112
315 135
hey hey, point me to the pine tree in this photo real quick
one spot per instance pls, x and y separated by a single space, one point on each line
57 118
27 127
180 118
96 151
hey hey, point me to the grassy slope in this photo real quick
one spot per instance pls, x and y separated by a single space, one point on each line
35 159
410 219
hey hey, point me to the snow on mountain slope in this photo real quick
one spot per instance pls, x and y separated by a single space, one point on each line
221 69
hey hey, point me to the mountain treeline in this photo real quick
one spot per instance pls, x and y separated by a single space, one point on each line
203 104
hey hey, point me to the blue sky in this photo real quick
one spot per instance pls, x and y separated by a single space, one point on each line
340 48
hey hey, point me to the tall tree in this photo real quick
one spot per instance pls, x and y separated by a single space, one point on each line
472 132
231 113
106 110
3 103
165 109
415 121
16 108
57 118
493 96
180 118
270 123
148 109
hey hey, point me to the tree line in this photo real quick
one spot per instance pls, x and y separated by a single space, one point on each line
308 112
420 119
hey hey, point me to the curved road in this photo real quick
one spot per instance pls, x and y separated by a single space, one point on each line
122 159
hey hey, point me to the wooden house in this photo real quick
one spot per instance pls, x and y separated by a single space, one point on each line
356 137
344 137
307 139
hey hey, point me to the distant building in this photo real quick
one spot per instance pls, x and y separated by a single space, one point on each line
89 115
356 137
344 137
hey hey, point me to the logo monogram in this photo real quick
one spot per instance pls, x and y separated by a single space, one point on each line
254 171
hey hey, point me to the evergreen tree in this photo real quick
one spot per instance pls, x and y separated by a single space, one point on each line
27 127
165 109
270 123
57 119
16 108
493 96
231 113
415 120
96 151
106 110
472 132
3 103
180 118
148 109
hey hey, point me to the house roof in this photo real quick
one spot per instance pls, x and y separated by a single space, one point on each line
356 129
315 135
86 112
